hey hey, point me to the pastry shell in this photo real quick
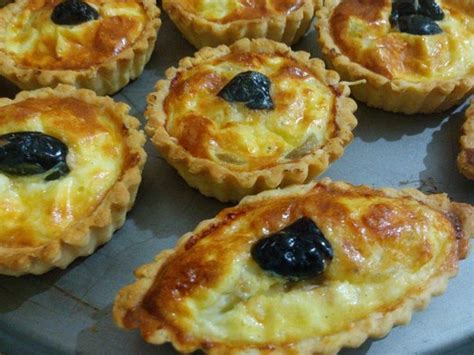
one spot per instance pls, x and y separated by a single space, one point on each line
128 313
105 78
201 32
397 95
216 180
83 236
466 155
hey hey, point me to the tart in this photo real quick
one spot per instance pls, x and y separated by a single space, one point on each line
99 45
238 120
303 270
415 56
210 23
70 167
466 155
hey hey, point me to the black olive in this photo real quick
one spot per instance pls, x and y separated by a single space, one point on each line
431 9
418 25
297 251
252 88
32 153
402 8
73 12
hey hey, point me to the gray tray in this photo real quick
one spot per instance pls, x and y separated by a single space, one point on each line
69 311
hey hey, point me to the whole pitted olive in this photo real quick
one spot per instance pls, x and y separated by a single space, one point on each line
416 17
252 88
298 251
32 153
73 12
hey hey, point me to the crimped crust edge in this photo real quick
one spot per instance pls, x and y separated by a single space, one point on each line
377 325
399 96
219 181
84 236
105 78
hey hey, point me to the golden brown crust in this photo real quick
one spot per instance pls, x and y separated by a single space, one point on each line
200 32
466 155
129 311
105 78
395 95
219 181
84 236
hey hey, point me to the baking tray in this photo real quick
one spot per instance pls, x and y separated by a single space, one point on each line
69 311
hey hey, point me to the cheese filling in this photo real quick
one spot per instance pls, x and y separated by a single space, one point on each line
34 211
209 127
224 11
362 32
35 41
385 251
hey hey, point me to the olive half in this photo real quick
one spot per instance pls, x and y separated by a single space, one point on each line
416 17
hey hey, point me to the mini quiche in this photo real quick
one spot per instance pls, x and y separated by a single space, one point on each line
303 270
70 167
466 155
417 56
211 22
238 120
99 44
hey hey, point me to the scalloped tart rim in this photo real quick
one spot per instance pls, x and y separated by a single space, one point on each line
128 300
397 95
201 32
219 181
105 78
85 235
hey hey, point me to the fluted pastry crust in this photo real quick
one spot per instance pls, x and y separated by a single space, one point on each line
393 250
466 155
105 65
403 73
227 150
49 224
283 21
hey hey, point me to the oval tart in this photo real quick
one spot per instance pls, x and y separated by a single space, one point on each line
254 116
95 44
415 56
210 23
70 167
303 270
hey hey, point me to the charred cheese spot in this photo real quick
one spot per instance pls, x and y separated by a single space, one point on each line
385 249
34 211
363 32
225 11
209 127
35 41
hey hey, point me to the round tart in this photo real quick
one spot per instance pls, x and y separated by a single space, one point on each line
466 155
303 270
253 116
70 167
416 56
210 23
99 45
